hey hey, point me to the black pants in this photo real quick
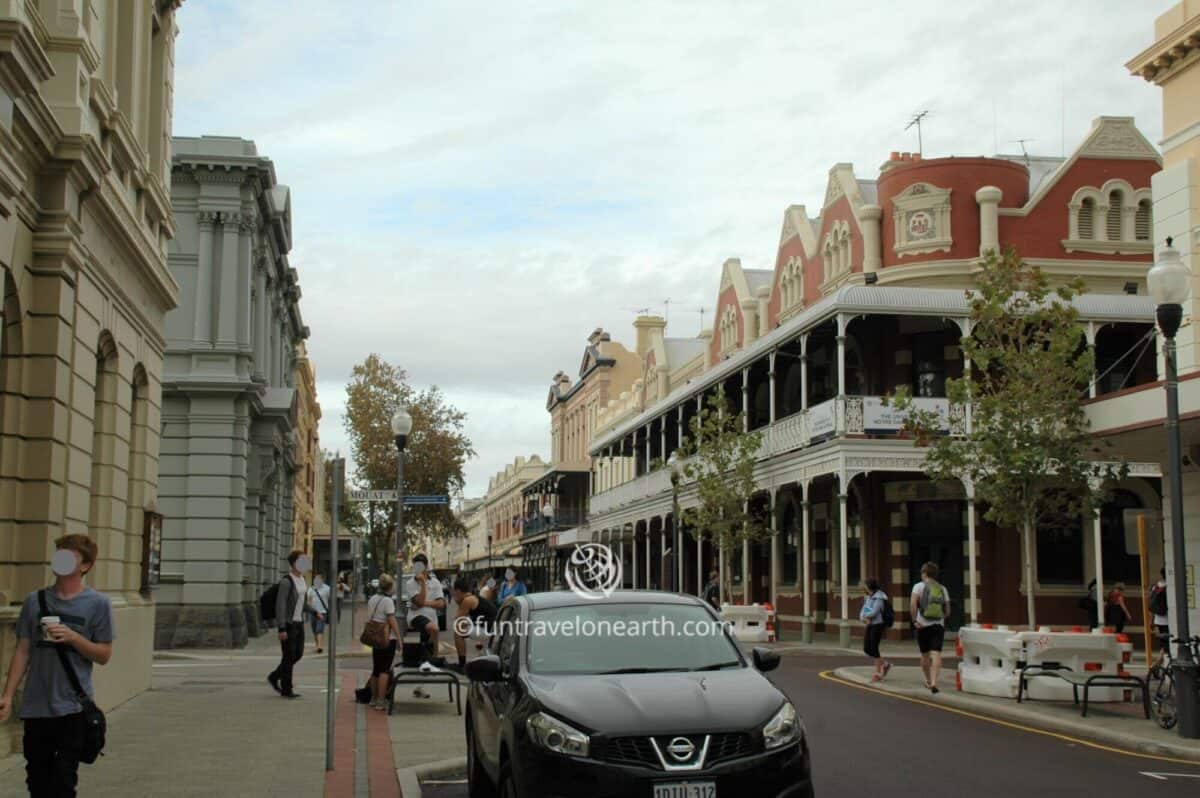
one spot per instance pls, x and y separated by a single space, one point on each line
292 650
52 748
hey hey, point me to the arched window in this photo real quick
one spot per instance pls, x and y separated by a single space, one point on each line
1112 219
1142 221
1087 219
102 514
828 257
844 251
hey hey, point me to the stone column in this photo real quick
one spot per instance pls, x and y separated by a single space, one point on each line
206 221
227 283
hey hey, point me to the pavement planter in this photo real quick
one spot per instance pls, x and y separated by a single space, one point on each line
1111 726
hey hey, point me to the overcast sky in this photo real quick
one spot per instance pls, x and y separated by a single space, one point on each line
477 186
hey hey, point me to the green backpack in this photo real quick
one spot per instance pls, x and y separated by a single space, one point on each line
933 602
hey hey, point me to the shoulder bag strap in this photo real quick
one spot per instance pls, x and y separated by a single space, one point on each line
62 655
324 606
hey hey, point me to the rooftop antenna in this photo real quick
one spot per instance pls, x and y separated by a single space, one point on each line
916 120
639 311
1024 151
700 310
666 311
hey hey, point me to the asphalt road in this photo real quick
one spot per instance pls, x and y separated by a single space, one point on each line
866 744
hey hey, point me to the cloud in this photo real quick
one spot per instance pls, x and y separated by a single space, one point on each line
476 187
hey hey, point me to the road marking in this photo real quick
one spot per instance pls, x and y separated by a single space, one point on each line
829 675
1166 776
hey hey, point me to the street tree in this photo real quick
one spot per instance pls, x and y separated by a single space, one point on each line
1026 444
718 456
437 452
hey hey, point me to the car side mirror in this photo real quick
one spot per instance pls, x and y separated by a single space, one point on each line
765 659
484 669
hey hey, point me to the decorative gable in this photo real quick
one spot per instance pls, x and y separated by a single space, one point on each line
1116 137
921 214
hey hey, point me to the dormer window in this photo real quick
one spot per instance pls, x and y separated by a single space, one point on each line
1142 222
1087 219
791 285
728 329
1114 219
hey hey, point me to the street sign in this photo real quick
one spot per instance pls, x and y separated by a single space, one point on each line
372 495
390 496
426 499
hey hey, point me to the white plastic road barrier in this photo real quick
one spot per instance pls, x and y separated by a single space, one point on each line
1083 653
988 661
749 623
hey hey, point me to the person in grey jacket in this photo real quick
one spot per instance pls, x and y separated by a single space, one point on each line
289 618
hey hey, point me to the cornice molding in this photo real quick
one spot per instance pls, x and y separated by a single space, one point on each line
24 64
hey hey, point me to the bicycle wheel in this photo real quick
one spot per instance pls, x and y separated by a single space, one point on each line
1164 703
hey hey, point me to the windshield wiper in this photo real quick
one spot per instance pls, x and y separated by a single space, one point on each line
639 670
716 666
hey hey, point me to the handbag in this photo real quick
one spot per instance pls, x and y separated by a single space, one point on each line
94 723
374 633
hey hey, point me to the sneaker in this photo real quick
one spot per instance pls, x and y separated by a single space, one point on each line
933 689
273 680
292 694
320 650
421 692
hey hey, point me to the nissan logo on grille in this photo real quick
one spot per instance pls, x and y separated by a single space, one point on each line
681 749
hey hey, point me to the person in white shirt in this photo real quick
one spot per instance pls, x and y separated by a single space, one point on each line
425 597
1158 601
318 608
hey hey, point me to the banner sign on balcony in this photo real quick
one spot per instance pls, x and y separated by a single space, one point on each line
822 420
878 417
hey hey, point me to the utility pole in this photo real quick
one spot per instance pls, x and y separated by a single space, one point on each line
339 468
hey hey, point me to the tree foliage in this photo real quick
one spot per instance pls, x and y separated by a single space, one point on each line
437 452
719 457
1027 447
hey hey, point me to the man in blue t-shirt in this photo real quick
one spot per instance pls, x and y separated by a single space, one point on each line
78 620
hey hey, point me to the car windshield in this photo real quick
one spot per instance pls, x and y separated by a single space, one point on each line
628 638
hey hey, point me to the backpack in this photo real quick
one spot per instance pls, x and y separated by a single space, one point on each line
933 602
1158 600
266 602
889 614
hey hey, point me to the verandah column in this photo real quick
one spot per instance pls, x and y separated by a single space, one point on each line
843 566
648 558
806 623
776 564
1098 553
771 386
973 577
633 545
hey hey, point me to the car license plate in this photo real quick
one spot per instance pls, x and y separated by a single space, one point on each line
686 789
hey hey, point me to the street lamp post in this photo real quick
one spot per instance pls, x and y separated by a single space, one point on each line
1169 281
401 427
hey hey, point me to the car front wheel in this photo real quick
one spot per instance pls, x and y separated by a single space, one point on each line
478 783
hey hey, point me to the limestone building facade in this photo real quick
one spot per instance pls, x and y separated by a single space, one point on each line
308 502
85 221
231 454
1135 420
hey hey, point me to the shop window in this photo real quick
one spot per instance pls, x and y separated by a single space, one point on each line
1119 545
1060 550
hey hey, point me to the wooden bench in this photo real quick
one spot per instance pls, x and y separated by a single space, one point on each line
1084 680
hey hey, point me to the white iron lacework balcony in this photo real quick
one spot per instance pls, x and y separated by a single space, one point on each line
854 416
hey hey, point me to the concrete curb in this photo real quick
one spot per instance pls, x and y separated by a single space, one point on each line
1002 711
410 778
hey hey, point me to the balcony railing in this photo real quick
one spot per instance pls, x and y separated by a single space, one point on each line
562 519
850 415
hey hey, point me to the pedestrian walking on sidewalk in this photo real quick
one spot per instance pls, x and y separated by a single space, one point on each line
289 618
1116 612
1089 604
930 606
65 626
1159 609
712 592
318 609
382 609
343 592
873 615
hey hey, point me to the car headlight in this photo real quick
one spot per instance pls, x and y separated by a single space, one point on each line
783 729
554 735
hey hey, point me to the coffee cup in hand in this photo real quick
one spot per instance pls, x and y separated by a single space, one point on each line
47 622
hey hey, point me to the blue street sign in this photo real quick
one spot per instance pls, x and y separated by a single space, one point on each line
426 499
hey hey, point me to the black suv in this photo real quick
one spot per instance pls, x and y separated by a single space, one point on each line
639 694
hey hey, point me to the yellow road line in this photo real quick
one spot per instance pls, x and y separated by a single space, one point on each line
831 676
